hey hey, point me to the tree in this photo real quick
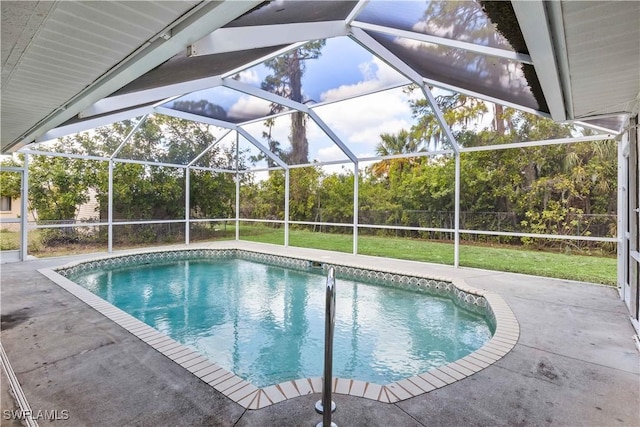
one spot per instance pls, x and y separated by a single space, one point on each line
58 186
286 80
392 144
10 181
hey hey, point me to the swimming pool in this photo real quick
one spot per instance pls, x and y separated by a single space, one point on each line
287 320
265 323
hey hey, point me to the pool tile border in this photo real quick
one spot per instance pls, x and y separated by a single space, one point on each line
247 395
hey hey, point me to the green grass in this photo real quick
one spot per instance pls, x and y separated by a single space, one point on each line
594 269
9 240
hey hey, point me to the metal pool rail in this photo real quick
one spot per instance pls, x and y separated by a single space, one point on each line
329 323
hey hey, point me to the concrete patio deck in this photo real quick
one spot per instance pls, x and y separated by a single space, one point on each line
575 363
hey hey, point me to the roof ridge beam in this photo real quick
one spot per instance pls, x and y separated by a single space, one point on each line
253 37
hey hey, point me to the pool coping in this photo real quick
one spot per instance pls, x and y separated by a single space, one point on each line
249 396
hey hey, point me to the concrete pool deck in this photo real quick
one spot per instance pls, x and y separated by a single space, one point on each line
575 362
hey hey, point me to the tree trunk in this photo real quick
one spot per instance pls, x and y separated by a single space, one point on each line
299 144
498 120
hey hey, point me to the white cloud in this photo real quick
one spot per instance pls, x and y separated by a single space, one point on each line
371 135
249 76
377 75
248 107
359 122
330 153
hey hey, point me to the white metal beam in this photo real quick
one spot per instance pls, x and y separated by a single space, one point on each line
372 45
595 127
208 17
440 117
406 155
382 52
129 136
262 148
266 95
147 163
24 211
456 226
66 155
478 95
237 177
194 117
93 123
470 47
534 25
187 204
355 11
262 59
110 209
287 181
526 144
358 95
556 23
336 140
356 205
206 150
129 100
271 97
235 39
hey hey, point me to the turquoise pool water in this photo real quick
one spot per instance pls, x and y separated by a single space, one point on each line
266 323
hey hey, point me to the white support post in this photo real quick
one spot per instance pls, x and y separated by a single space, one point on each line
356 189
456 242
286 206
623 256
24 211
110 209
237 186
187 203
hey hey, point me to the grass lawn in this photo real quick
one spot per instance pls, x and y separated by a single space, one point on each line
594 269
9 240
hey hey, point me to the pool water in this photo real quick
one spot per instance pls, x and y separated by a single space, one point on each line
266 323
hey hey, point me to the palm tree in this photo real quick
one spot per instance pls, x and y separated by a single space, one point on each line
393 144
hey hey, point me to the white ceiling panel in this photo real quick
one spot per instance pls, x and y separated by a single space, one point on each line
60 48
603 53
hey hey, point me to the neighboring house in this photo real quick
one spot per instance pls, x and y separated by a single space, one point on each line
10 209
89 210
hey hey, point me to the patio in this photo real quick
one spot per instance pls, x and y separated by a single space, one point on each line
575 362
